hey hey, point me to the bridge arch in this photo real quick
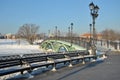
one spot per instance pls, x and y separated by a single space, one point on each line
59 46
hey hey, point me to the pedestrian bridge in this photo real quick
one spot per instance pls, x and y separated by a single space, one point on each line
59 46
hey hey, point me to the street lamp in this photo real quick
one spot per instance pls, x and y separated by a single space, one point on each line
68 32
90 33
56 32
71 32
94 13
49 33
59 34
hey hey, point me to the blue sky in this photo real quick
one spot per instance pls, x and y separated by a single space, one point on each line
50 13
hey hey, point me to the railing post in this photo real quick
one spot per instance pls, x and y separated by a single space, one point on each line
52 60
54 67
83 60
70 62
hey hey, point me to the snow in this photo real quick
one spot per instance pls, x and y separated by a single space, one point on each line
38 41
15 47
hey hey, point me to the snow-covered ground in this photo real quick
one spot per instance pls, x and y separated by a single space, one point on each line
11 47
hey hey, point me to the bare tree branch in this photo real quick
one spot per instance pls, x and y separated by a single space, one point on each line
110 34
28 31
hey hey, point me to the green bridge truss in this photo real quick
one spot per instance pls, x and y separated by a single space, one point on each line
59 46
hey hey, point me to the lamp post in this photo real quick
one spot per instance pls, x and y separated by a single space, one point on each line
49 33
68 32
90 34
56 32
71 32
94 13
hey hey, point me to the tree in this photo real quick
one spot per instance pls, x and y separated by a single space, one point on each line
110 34
28 31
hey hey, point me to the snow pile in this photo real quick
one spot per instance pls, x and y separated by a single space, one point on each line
38 41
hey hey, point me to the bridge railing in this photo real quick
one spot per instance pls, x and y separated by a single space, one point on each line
28 62
84 42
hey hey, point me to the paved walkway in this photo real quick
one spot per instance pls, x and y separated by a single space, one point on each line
108 69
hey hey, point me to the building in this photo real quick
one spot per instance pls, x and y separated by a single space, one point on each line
1 36
87 35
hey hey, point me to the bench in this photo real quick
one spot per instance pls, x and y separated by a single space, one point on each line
57 58
74 55
28 62
9 61
16 63
35 60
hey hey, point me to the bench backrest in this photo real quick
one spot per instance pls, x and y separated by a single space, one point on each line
71 54
32 58
8 61
56 56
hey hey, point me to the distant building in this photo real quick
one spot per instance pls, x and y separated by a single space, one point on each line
1 36
10 36
99 36
87 35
